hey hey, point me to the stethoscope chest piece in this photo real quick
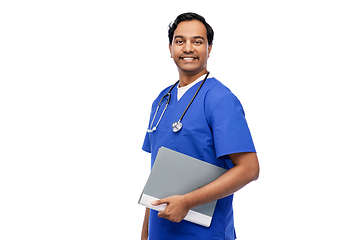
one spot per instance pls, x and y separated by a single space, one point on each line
177 126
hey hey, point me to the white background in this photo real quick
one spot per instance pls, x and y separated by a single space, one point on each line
78 79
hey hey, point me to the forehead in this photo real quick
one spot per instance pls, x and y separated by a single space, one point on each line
190 29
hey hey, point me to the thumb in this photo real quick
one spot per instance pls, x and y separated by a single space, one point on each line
160 201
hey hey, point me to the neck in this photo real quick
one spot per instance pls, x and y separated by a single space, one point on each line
186 79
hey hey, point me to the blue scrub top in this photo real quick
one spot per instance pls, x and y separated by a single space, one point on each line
213 127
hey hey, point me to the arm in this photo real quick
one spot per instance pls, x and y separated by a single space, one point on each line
245 170
145 228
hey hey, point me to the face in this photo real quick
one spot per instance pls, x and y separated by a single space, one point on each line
190 48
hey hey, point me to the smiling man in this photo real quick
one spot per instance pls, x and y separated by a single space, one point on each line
204 120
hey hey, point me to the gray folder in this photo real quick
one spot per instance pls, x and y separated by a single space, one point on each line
174 173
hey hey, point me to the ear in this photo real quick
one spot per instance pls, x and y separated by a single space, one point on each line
209 50
170 48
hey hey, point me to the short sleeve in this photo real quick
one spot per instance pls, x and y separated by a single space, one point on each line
146 145
227 121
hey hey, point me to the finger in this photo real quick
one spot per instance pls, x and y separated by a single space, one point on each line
161 214
164 214
168 216
160 201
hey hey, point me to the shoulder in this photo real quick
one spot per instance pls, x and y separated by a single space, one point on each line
161 94
217 93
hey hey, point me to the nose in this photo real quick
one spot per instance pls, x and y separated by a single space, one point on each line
188 47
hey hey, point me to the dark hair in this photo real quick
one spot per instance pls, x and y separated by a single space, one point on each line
188 17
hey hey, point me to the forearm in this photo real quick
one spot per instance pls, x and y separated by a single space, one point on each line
245 170
145 228
230 182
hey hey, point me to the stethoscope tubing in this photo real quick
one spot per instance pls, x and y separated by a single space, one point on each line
152 129
177 126
197 91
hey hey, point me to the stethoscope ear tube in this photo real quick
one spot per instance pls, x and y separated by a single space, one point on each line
151 128
157 124
167 100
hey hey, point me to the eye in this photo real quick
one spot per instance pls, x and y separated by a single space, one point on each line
198 42
179 41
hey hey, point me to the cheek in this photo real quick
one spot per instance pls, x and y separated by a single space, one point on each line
204 55
203 51
176 52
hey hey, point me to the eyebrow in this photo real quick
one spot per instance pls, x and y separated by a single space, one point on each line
195 37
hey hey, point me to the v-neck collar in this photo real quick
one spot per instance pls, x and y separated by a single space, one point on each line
182 90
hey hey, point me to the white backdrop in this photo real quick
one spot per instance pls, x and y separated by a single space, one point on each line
77 81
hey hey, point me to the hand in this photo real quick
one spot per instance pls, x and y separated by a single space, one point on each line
176 209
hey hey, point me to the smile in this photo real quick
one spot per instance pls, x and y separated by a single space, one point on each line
188 58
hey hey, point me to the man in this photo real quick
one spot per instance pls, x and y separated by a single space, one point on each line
214 130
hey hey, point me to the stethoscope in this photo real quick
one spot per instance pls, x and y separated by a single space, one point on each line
177 126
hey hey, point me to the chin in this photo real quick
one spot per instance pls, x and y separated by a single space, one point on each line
190 69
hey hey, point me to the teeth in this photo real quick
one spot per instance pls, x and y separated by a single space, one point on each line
188 58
